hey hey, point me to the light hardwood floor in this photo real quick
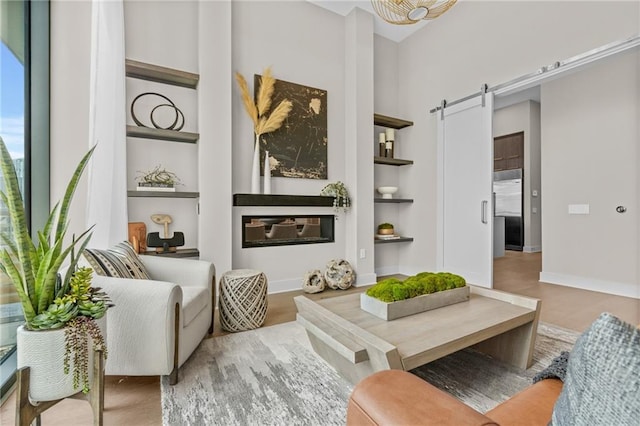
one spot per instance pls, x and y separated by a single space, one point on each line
136 400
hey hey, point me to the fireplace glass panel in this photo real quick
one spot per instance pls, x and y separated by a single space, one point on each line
264 231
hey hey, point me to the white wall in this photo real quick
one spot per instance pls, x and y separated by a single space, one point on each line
474 43
307 50
486 42
589 156
525 117
359 97
215 125
385 91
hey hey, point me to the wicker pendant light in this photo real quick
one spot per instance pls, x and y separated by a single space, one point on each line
403 12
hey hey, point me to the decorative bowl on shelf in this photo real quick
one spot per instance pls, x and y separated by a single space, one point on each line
387 191
385 231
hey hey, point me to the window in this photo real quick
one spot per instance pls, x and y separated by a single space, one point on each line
24 127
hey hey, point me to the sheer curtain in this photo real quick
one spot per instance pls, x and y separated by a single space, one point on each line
107 191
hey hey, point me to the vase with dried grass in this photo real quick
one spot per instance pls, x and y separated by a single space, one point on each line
263 121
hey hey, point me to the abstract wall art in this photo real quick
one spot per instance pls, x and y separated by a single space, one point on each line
298 149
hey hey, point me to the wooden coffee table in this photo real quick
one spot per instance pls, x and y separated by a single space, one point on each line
358 344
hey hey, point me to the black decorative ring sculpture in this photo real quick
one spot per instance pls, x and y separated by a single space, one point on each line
179 115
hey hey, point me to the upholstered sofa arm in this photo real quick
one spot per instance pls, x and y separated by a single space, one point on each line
395 397
142 324
185 272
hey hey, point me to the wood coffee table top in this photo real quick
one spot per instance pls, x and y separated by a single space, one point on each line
357 343
436 331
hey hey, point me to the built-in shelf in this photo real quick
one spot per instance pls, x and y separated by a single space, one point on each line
282 200
151 72
392 200
391 161
394 123
162 134
163 194
395 240
185 252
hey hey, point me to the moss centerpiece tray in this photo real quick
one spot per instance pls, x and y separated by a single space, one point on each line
393 298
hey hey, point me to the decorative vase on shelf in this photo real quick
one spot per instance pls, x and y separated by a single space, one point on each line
267 174
255 168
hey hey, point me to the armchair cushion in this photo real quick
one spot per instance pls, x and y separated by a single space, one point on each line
120 261
194 300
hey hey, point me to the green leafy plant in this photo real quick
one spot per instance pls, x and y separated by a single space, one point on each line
393 289
48 299
385 225
340 194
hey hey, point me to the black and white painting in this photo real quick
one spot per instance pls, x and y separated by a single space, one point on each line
298 149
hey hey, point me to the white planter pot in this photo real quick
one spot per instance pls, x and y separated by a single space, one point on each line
43 352
403 308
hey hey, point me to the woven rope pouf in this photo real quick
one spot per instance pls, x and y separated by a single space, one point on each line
243 299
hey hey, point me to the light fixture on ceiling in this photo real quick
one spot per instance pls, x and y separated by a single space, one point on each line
403 12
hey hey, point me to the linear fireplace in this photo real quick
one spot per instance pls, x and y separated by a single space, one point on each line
280 230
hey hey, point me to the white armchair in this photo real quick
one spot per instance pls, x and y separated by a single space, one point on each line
156 324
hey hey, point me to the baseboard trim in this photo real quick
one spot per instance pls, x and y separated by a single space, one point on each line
387 270
601 286
365 279
283 286
532 249
400 270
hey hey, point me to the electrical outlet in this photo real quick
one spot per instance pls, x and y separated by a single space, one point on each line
363 253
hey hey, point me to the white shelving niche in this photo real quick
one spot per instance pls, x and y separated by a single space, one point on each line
387 173
175 151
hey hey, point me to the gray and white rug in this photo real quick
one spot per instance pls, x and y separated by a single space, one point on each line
267 376
482 382
272 376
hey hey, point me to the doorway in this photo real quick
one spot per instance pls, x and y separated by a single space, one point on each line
508 187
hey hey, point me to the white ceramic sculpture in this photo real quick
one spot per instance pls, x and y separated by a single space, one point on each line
339 274
313 282
387 191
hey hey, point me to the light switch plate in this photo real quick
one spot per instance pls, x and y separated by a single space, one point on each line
578 208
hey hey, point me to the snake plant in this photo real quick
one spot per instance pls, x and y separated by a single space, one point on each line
34 270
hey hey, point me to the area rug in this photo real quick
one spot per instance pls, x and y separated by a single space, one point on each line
272 376
267 376
482 382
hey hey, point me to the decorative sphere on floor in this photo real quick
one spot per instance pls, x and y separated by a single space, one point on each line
313 282
339 274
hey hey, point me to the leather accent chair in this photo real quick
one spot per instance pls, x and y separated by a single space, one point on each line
396 397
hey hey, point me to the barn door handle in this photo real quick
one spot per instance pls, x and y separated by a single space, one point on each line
483 211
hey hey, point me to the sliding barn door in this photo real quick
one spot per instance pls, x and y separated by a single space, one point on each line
465 201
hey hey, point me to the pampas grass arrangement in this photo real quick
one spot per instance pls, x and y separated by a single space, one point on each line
259 109
263 120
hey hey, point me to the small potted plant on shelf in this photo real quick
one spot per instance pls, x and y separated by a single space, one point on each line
385 229
62 311
157 179
340 194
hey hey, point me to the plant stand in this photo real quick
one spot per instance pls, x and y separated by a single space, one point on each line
26 412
